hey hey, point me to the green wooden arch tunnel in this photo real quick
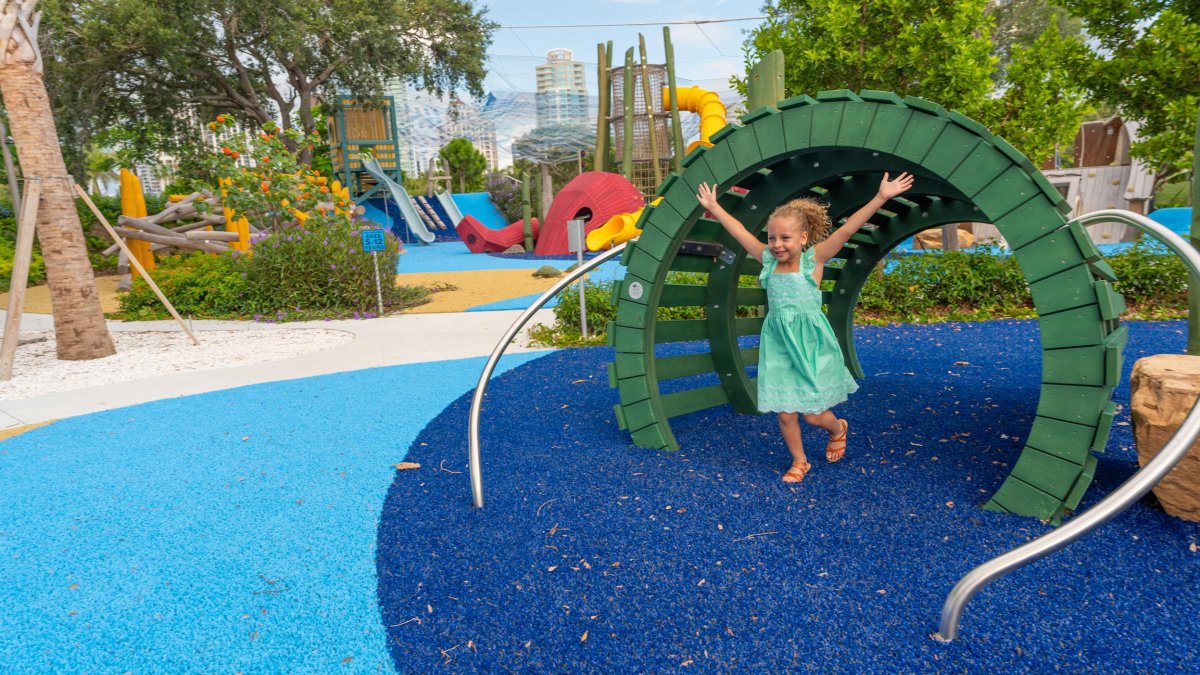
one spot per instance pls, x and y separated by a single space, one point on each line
836 146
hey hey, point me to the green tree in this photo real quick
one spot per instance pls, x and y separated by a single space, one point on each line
938 50
465 163
102 166
1019 23
149 60
1145 62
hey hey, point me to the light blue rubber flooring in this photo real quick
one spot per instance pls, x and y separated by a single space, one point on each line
225 532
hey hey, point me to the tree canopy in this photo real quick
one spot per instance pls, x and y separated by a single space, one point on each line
465 163
146 62
1145 63
934 49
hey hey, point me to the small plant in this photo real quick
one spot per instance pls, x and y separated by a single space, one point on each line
197 284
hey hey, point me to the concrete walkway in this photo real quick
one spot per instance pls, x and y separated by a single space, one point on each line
387 341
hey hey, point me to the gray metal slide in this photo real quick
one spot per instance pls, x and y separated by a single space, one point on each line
398 195
452 211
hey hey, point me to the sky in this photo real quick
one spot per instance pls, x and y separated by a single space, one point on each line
706 54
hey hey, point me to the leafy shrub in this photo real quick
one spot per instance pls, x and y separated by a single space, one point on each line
197 284
949 285
506 194
37 267
600 310
1152 279
319 269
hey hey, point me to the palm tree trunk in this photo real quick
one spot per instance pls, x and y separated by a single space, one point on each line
79 324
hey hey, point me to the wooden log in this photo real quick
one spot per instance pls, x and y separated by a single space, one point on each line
179 242
22 259
153 286
144 224
214 235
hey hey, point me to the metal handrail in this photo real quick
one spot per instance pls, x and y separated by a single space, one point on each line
1120 499
481 387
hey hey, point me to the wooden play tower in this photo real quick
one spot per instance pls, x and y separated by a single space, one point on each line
360 124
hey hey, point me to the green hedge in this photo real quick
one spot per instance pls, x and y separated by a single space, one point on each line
974 285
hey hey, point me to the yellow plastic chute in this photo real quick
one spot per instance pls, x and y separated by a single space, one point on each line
703 102
616 230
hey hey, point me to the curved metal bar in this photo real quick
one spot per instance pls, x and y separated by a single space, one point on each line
481 387
1116 502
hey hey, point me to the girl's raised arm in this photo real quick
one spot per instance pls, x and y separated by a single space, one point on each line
708 199
835 241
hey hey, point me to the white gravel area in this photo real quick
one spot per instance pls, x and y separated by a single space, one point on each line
140 355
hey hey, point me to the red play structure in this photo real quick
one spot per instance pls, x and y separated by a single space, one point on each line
480 238
594 196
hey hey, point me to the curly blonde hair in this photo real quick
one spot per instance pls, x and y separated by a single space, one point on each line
810 216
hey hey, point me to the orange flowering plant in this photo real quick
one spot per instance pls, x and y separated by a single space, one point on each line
308 262
271 187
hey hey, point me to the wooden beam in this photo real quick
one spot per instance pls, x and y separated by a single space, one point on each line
22 257
136 264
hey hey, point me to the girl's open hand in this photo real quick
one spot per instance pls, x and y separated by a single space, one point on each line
707 197
894 188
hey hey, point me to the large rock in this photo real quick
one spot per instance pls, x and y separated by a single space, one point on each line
933 238
1164 389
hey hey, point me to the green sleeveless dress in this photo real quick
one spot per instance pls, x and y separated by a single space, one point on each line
800 364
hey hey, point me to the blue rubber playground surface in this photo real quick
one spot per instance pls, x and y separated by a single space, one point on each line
263 529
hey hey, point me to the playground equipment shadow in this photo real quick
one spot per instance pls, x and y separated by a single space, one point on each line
263 528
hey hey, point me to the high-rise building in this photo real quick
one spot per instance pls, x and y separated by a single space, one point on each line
561 90
401 101
466 121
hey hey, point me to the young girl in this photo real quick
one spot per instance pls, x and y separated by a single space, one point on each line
800 366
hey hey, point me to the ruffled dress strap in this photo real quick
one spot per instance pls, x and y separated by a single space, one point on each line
808 262
769 263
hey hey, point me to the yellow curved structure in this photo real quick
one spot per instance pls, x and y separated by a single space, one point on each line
620 228
703 102
133 204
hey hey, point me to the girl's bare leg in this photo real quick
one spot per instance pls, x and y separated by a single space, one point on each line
789 426
837 429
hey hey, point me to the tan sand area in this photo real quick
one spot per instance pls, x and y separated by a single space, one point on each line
471 288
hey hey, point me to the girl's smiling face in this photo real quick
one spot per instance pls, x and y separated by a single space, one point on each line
785 239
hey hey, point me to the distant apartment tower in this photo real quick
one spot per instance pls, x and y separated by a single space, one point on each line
465 121
401 100
561 90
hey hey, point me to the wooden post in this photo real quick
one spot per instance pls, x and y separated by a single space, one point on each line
950 237
525 212
602 109
649 111
609 161
627 100
765 86
677 149
22 257
546 192
135 262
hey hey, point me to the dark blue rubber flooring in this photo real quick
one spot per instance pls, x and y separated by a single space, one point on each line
593 555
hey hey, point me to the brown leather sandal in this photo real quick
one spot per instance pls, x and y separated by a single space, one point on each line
797 473
836 449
